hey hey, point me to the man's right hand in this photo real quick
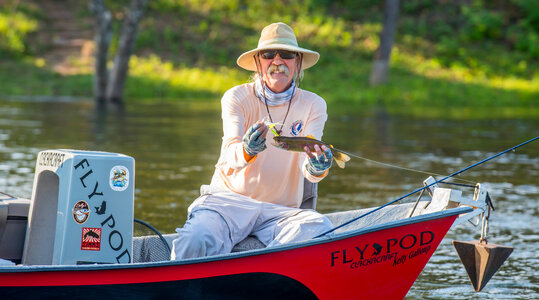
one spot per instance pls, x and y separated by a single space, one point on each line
254 140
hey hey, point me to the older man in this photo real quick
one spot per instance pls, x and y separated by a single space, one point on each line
257 189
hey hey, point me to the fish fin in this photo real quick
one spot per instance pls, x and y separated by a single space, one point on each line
341 159
340 163
310 136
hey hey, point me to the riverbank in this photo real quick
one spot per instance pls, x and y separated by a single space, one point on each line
187 51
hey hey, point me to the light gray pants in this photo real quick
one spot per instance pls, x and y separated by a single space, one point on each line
218 221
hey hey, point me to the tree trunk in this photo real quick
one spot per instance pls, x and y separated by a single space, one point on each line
380 68
125 48
103 21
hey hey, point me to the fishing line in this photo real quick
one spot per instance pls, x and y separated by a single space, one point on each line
427 186
397 167
272 128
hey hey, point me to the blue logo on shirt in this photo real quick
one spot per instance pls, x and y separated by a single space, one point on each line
296 127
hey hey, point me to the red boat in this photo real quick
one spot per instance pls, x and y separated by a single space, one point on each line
380 261
376 253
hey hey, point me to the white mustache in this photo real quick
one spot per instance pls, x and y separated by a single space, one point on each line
278 68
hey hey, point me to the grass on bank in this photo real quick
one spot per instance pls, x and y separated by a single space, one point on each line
188 50
425 84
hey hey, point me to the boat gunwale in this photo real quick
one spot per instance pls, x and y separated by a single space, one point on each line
236 255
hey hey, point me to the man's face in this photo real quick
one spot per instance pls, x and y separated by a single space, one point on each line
278 68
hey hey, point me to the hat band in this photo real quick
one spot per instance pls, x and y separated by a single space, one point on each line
281 41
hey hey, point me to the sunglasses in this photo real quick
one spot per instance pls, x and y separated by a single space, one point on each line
270 54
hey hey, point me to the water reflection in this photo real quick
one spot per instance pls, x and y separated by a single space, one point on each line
176 145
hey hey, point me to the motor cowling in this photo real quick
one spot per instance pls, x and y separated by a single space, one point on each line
81 210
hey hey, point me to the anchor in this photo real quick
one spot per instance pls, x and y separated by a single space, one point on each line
481 259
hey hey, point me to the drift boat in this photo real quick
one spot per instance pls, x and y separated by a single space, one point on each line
74 239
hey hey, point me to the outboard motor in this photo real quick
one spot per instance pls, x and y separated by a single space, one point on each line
81 210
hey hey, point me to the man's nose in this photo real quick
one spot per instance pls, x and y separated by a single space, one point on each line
278 60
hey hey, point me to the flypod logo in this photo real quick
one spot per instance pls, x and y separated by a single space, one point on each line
114 238
396 250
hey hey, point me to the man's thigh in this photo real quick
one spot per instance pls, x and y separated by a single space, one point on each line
239 212
300 226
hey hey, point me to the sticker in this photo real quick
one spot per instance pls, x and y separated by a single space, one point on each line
91 239
296 127
119 178
51 159
81 212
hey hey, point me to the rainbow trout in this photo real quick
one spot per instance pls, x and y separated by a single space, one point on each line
297 143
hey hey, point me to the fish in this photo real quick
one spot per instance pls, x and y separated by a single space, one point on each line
90 233
298 143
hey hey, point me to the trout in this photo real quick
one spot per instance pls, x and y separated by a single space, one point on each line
297 143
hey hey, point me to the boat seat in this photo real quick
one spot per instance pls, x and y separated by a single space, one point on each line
310 194
151 248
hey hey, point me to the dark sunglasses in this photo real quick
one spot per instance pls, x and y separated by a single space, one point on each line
270 54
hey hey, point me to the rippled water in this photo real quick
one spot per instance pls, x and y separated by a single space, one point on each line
176 146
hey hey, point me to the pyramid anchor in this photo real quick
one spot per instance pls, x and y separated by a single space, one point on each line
481 259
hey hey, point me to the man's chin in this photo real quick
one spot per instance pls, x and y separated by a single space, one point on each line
278 86
280 78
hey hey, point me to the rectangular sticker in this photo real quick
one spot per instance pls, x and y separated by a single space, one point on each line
91 239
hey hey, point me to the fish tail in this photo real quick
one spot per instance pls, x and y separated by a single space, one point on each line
340 158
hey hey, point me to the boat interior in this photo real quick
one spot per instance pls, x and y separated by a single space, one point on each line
156 247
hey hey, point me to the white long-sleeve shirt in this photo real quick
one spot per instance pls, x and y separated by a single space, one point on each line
274 175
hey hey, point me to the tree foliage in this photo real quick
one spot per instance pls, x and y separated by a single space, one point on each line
454 52
17 22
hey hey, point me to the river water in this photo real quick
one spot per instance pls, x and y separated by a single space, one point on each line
176 145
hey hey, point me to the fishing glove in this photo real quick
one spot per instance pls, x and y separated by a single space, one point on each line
253 141
317 165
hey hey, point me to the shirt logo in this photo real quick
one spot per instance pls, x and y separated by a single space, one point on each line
296 127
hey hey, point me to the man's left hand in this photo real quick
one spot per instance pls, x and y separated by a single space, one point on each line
319 163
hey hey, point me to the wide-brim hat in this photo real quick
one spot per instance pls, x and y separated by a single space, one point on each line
277 36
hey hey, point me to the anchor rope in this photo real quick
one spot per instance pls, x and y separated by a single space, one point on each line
427 186
484 227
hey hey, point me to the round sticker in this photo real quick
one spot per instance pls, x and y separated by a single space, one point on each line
119 178
81 212
296 127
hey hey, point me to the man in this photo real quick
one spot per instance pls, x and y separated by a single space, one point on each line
257 188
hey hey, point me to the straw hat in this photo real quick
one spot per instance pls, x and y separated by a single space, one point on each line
277 36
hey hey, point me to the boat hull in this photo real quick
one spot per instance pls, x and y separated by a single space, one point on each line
381 261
